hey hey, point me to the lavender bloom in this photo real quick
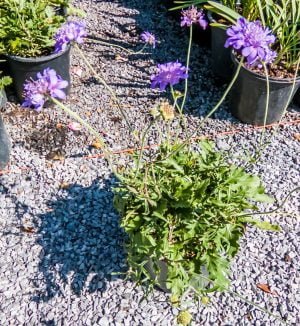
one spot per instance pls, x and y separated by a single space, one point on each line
69 32
149 38
193 16
168 73
48 84
236 35
252 40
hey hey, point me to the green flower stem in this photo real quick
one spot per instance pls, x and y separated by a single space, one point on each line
275 210
262 147
187 68
244 299
190 137
140 51
290 95
107 153
143 144
101 80
220 101
176 105
92 40
175 99
267 105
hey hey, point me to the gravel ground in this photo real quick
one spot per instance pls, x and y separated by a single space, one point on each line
61 247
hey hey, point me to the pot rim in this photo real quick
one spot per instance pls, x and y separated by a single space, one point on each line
38 59
261 77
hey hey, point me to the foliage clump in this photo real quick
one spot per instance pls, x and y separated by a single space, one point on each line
27 28
187 208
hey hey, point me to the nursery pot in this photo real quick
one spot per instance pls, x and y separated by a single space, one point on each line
248 96
163 275
297 97
5 144
202 36
222 65
22 69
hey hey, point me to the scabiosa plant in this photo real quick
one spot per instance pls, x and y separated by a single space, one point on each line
168 74
48 84
193 16
69 32
252 40
149 38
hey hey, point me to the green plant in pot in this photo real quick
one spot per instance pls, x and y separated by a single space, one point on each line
270 76
184 207
222 66
28 38
184 214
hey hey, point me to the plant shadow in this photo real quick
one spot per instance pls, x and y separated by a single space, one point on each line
81 240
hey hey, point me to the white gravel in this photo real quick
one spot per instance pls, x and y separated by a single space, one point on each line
61 247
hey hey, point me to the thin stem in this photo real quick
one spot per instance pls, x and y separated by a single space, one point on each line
267 104
92 40
273 210
290 95
175 99
187 68
142 145
262 147
101 80
244 299
258 306
189 138
107 153
221 99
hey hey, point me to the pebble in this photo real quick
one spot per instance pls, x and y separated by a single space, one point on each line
63 271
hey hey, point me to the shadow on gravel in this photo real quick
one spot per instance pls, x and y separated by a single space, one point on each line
82 242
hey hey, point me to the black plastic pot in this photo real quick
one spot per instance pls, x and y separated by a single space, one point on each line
5 144
3 65
200 36
22 69
222 65
247 99
161 278
296 99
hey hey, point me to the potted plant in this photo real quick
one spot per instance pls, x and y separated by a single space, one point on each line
269 77
32 45
184 207
201 30
4 138
184 214
219 21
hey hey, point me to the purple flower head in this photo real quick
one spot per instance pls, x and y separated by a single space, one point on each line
193 16
48 83
168 73
252 40
148 38
69 32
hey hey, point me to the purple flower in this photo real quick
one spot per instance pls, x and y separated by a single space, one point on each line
252 40
69 32
48 84
149 38
193 16
168 73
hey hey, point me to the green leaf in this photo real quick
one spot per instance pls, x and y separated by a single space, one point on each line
264 225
